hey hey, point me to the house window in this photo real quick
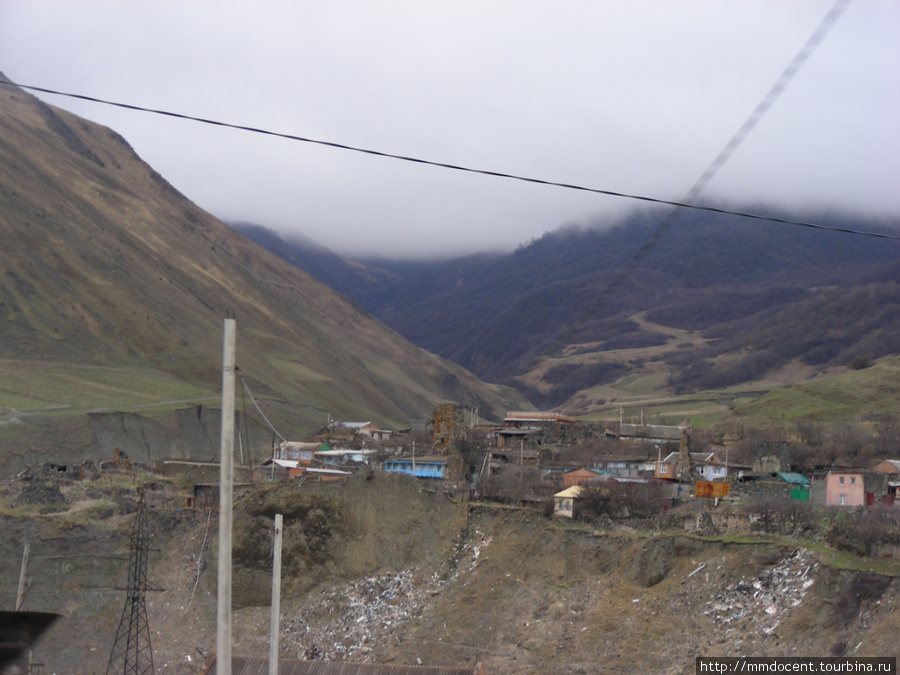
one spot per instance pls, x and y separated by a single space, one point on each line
664 468
843 498
852 480
841 480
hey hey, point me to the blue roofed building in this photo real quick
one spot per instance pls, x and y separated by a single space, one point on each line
420 467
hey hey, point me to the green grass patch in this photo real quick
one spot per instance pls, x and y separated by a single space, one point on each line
841 397
848 561
642 383
65 389
296 370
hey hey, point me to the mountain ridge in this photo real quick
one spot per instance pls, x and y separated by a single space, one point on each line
579 290
104 264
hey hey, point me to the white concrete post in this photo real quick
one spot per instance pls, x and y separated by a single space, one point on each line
20 595
275 627
226 500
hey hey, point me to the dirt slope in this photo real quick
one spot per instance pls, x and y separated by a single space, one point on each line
381 571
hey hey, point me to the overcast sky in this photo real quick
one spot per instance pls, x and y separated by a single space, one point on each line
631 96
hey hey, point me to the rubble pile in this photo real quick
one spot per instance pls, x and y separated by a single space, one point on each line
347 620
346 623
761 603
471 552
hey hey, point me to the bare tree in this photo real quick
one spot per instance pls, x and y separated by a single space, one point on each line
768 509
511 484
887 430
809 432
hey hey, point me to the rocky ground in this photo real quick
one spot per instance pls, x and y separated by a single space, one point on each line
380 571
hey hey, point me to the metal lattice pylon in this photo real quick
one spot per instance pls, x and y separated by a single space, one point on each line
131 652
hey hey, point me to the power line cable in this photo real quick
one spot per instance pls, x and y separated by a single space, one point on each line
454 167
259 410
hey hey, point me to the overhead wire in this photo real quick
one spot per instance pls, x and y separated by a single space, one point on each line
259 410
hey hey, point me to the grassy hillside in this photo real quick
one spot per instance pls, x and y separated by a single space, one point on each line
842 397
114 287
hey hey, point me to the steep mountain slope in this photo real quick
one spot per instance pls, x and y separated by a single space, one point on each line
556 291
549 316
103 265
343 275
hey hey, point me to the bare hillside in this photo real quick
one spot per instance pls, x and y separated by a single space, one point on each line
382 571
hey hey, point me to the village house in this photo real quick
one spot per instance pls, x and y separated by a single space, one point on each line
783 479
420 467
888 466
882 485
343 456
847 487
624 466
839 488
789 484
290 468
295 459
583 475
535 419
499 458
364 428
552 473
298 451
511 436
708 465
278 469
564 503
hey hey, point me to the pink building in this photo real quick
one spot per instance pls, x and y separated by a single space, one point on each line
844 489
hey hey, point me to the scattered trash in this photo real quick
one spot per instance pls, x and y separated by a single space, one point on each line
346 620
761 603
697 569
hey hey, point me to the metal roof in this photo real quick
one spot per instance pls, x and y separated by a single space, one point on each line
793 478
599 472
570 492
520 416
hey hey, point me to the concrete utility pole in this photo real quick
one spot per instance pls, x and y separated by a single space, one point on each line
226 501
20 595
275 628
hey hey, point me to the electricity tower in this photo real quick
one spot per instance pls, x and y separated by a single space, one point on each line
131 652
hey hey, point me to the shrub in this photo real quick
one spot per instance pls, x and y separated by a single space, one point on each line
865 587
863 530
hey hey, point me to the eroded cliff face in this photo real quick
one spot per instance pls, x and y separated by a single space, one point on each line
185 433
333 534
383 570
